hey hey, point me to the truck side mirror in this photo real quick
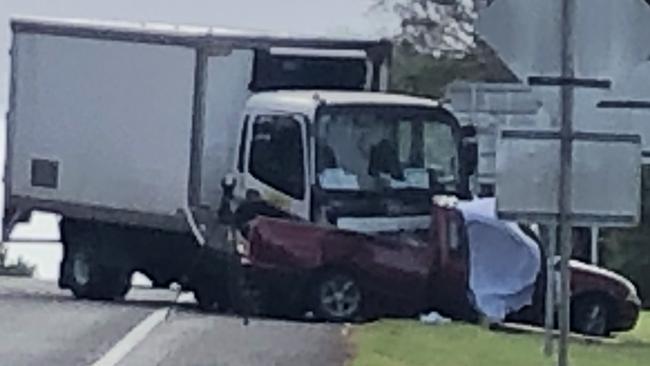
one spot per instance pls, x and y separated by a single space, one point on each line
469 149
225 210
228 185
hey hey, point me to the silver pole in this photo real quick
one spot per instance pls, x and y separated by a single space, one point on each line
549 237
566 153
594 245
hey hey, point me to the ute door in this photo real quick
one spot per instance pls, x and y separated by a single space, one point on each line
277 162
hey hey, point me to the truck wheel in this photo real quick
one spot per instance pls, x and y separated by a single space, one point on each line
590 316
338 297
211 298
90 280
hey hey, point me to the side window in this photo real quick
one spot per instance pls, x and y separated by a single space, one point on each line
272 72
242 146
277 154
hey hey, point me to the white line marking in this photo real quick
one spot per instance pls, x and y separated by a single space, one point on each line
132 339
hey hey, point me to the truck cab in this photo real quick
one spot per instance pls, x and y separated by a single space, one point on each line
356 160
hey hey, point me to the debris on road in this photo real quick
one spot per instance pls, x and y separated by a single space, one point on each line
434 318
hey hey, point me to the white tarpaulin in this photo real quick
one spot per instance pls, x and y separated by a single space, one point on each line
503 262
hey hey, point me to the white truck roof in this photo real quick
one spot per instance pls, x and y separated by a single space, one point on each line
182 35
306 101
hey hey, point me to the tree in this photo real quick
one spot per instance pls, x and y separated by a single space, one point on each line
423 74
437 45
435 26
627 250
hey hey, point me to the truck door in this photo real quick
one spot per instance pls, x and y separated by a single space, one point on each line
277 162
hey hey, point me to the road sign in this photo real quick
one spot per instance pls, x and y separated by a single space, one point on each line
527 35
489 107
626 106
533 156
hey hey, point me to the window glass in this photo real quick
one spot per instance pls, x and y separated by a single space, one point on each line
277 154
371 148
272 72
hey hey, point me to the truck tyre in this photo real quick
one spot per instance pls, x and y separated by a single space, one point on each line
211 299
91 280
338 297
590 315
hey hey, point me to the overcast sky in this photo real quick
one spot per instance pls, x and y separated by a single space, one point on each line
311 17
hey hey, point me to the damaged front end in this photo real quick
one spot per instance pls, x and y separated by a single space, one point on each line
398 265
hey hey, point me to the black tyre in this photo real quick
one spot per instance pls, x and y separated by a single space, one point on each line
90 271
338 297
212 298
88 279
590 315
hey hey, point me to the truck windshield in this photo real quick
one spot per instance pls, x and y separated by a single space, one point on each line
386 147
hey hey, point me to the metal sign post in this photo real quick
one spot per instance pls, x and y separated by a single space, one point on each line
594 231
549 237
564 189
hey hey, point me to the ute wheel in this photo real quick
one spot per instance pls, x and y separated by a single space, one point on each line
338 297
91 280
590 316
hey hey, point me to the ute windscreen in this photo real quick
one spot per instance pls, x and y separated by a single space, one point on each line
272 72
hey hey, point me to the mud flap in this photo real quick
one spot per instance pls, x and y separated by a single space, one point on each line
245 304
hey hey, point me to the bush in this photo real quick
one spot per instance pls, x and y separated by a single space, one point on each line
21 269
628 251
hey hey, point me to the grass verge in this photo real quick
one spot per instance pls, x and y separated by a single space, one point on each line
409 343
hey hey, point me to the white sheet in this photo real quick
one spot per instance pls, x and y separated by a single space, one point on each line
504 262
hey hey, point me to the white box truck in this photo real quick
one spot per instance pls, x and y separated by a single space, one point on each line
148 139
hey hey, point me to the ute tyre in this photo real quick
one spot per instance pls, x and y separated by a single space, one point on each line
91 280
590 316
338 297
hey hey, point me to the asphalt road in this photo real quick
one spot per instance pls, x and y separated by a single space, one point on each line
42 325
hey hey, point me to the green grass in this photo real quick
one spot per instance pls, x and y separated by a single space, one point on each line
641 333
408 343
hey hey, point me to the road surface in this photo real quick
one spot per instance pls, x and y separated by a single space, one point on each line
42 325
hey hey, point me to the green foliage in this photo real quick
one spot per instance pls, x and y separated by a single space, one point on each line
423 74
21 268
628 251
436 46
435 26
